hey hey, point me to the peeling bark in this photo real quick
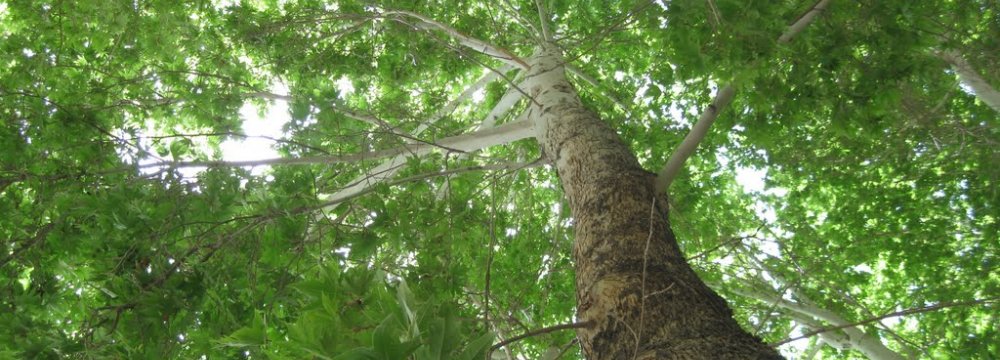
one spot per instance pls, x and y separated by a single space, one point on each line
633 284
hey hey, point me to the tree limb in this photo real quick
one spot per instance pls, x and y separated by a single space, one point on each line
693 138
326 205
476 140
983 90
910 311
803 21
806 312
543 18
722 99
389 168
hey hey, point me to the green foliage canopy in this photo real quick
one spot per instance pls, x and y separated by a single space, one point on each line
880 192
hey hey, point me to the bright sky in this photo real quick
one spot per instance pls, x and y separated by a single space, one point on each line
257 128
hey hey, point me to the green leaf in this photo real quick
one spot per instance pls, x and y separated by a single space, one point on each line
476 349
244 337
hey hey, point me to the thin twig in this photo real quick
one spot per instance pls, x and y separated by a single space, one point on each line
489 258
645 260
541 331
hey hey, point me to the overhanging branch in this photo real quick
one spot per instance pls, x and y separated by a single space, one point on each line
968 75
722 99
886 316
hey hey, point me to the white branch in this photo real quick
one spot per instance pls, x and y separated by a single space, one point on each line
868 344
723 98
501 108
331 201
693 138
543 17
803 21
467 41
984 91
462 143
389 168
465 95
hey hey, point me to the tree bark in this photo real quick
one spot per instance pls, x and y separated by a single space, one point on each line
968 75
633 285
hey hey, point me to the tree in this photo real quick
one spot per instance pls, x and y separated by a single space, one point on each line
437 156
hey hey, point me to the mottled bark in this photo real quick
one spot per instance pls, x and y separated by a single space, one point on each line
633 283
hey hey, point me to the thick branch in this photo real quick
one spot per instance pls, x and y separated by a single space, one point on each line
984 91
886 316
723 98
803 21
467 94
334 200
461 143
390 167
693 138
543 18
868 344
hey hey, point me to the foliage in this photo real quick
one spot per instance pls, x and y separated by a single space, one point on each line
880 193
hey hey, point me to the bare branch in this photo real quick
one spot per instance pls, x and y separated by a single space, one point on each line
326 205
389 168
543 17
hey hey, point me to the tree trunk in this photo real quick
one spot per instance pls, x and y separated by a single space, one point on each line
640 296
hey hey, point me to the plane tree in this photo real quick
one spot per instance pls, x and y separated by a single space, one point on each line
520 179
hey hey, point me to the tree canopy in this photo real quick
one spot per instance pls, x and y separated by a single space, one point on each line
407 216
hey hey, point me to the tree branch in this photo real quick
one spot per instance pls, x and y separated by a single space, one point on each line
693 138
389 168
476 140
803 21
721 100
494 167
540 332
39 237
347 112
910 311
543 18
593 82
983 90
